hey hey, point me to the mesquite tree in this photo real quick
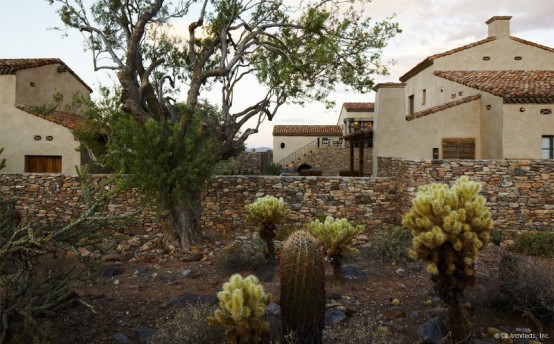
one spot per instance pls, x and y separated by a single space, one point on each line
297 52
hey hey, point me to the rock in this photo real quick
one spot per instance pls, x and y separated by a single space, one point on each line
414 315
334 316
193 257
355 273
120 338
192 298
401 272
114 258
145 334
393 314
186 272
437 311
140 271
432 331
84 252
272 309
111 270
334 296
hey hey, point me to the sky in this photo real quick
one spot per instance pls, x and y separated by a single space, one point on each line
429 27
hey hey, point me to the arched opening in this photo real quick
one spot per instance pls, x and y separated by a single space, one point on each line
303 167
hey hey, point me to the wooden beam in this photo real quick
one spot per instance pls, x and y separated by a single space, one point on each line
361 169
351 159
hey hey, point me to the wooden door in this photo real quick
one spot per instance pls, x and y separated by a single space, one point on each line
456 148
43 164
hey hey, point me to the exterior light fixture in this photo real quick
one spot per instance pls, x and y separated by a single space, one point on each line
435 153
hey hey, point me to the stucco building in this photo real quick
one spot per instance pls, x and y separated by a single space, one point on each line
491 99
33 140
357 116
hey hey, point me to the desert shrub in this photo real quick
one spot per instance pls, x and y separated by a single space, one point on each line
450 226
391 246
539 244
189 326
242 304
272 170
32 286
497 236
267 212
527 287
241 255
336 237
361 330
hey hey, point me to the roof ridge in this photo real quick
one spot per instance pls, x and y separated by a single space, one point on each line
442 107
428 61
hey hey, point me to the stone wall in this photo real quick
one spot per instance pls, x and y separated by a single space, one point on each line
54 198
367 201
252 162
333 160
520 193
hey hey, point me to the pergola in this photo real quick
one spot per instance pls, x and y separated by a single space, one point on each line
359 138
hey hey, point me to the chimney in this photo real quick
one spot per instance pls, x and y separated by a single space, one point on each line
499 26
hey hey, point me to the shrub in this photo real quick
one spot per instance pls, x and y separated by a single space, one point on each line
284 232
497 236
302 288
189 326
450 225
273 169
335 236
267 212
539 244
391 246
242 255
242 303
528 287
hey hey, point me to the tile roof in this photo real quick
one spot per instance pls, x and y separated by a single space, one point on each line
389 85
359 107
514 86
429 60
66 119
307 130
442 107
533 44
11 66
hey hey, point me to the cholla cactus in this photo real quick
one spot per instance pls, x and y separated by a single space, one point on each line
242 304
267 212
302 288
335 236
450 225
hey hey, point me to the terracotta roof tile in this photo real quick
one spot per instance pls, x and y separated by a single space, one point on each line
389 85
307 130
359 107
442 107
533 44
429 60
514 86
11 66
66 119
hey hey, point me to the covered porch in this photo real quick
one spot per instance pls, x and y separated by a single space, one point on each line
359 140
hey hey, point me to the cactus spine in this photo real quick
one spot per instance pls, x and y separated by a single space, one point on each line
242 304
335 236
302 288
267 212
450 225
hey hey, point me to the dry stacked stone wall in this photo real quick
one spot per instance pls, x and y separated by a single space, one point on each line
331 160
520 193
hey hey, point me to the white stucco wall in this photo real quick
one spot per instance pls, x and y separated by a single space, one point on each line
292 144
344 115
17 130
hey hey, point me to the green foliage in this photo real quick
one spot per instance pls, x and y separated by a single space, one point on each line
284 232
450 226
391 246
497 236
539 244
242 304
272 170
527 287
31 290
267 212
302 287
336 237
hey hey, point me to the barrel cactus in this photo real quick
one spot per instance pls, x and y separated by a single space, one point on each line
450 226
335 236
242 304
302 288
267 211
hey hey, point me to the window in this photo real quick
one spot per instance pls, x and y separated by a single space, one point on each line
354 126
282 145
411 104
458 148
546 111
43 164
424 97
548 147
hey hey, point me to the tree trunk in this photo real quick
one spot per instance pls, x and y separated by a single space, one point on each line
268 234
184 220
